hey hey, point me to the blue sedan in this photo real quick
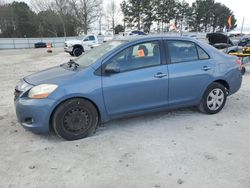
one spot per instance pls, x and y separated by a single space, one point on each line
124 78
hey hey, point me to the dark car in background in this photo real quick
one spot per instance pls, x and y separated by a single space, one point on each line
136 33
40 45
244 42
219 40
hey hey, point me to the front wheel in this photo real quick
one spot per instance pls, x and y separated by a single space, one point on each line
77 52
213 99
75 119
71 53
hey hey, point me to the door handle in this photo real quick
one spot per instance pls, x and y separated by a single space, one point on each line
205 68
160 75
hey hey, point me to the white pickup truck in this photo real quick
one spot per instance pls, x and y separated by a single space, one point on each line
77 47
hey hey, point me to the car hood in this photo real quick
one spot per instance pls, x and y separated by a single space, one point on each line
54 75
73 42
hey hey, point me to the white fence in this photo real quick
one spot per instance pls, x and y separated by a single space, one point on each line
13 43
16 43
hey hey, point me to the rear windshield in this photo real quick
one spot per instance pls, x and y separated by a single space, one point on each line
96 53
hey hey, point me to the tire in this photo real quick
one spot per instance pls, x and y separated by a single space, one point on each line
214 99
243 70
77 52
75 119
71 53
231 51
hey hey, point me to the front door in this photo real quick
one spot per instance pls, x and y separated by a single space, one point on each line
139 80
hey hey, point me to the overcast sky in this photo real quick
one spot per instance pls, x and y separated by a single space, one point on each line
239 7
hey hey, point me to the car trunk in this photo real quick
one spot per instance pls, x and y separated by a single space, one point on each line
219 38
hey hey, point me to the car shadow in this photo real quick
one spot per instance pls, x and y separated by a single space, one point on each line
144 120
149 119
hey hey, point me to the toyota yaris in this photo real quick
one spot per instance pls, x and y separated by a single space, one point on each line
126 77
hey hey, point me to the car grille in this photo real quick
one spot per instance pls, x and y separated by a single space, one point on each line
17 94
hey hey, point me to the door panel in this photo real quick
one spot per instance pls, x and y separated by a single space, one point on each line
135 90
187 80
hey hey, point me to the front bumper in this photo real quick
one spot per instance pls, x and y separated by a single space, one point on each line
68 48
34 114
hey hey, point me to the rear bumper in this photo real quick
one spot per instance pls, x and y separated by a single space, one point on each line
34 114
235 80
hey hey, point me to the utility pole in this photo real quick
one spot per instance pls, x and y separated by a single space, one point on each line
100 25
242 26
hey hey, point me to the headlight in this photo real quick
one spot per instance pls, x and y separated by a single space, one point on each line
42 91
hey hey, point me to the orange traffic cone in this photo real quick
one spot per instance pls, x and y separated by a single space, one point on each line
49 48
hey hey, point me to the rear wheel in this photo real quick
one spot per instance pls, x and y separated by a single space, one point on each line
213 99
75 119
243 70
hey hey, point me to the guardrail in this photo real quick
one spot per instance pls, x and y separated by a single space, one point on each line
15 43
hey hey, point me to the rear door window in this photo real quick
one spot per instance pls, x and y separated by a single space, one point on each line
202 54
181 51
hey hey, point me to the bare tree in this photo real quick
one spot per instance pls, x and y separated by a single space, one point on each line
86 12
59 6
7 20
62 8
40 5
113 13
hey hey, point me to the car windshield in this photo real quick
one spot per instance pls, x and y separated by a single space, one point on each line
94 54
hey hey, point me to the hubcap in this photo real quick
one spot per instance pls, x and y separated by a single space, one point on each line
76 121
215 99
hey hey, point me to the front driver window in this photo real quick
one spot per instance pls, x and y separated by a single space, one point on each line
91 38
137 56
86 39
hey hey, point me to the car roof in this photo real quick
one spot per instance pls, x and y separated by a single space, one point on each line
153 37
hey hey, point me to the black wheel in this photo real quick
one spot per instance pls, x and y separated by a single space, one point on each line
77 52
243 70
71 53
213 99
75 119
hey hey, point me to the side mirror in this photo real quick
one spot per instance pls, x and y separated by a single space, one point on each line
112 68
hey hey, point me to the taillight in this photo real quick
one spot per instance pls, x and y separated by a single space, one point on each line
238 62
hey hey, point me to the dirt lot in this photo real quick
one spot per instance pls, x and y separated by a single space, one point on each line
181 148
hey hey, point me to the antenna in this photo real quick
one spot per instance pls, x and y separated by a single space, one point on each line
242 26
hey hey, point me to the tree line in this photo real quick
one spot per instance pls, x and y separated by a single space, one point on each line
46 18
201 16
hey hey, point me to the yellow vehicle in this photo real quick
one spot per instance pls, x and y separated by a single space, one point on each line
245 52
244 56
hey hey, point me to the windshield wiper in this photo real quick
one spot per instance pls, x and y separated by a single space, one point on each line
72 63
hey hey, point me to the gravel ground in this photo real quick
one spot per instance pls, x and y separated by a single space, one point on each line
181 148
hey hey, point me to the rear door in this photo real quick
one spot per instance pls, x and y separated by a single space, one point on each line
190 70
140 82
